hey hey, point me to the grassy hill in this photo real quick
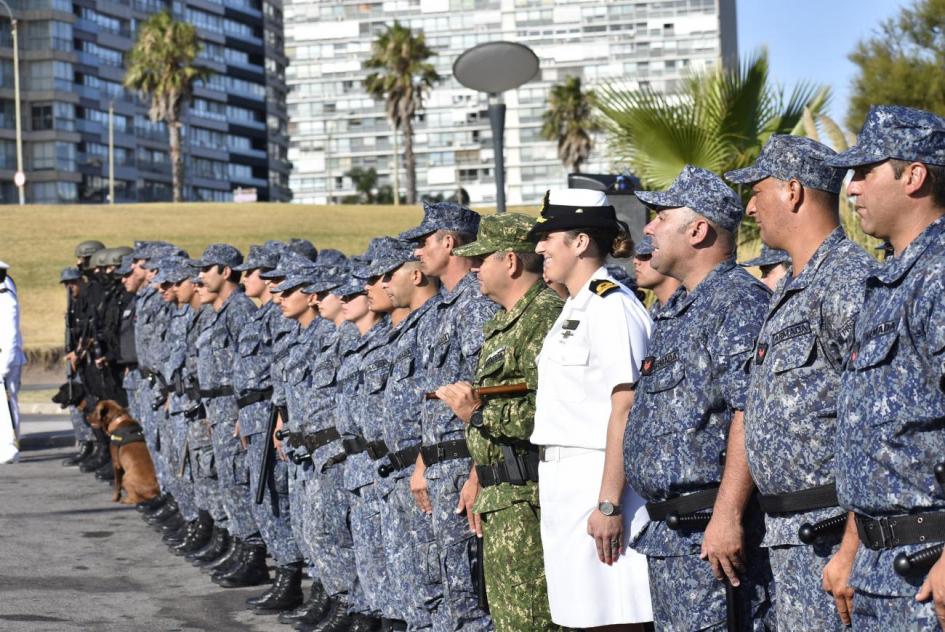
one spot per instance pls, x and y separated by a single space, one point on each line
38 241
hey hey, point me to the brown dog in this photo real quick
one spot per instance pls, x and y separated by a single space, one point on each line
131 461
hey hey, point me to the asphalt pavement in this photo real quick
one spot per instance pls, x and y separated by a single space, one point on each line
70 559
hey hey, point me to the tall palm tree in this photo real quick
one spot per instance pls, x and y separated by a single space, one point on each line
402 77
161 68
570 122
719 120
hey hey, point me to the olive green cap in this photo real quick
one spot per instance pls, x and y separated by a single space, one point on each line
500 232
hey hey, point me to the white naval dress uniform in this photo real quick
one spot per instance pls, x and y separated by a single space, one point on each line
597 343
12 360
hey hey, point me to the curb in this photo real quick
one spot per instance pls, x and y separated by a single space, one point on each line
43 409
47 440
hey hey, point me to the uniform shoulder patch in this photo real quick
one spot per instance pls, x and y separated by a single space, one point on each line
603 287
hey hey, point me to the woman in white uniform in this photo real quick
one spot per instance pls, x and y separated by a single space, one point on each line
587 368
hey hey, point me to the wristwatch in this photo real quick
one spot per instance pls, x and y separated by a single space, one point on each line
476 419
608 508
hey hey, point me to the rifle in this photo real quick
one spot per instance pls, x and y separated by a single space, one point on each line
70 370
267 454
519 388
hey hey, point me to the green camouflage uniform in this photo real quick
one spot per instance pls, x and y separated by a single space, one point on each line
512 554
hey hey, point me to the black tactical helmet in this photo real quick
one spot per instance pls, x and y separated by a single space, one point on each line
113 258
88 248
99 258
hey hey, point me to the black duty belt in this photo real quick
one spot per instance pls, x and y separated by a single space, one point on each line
893 531
320 439
220 391
519 470
253 397
130 434
357 445
444 451
293 439
399 460
804 500
682 505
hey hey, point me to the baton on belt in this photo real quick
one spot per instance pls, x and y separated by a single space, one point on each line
921 561
829 528
519 388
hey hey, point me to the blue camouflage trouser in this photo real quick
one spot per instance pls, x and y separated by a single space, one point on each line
233 478
147 417
83 431
299 479
182 487
325 530
369 557
800 602
687 597
460 607
879 613
202 464
272 516
412 557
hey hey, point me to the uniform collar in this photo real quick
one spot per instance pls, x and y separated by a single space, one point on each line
790 284
681 299
897 267
449 296
580 300
413 317
503 319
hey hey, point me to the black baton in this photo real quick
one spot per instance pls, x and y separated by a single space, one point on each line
266 455
733 614
831 527
689 522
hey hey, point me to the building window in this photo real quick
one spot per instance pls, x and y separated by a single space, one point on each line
41 117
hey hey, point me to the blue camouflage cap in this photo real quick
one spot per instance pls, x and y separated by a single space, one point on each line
149 249
221 255
329 277
643 247
702 191
289 262
303 247
300 275
767 257
393 254
331 257
259 257
379 248
124 269
351 287
444 216
898 132
173 271
70 274
793 157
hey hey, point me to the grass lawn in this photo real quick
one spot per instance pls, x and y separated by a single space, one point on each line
38 241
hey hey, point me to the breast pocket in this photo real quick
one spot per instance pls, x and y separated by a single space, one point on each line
375 376
793 354
664 379
324 375
874 352
569 372
402 368
440 351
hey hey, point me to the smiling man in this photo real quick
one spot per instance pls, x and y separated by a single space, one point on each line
790 417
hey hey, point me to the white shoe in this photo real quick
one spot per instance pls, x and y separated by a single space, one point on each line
7 457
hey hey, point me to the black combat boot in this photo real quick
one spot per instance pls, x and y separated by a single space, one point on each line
198 534
251 570
168 511
313 610
229 561
364 623
106 472
217 547
337 619
97 458
286 593
393 625
85 449
151 505
174 532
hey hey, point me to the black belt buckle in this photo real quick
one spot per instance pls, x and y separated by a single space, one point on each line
880 532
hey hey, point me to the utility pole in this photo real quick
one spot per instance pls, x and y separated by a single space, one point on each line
111 152
396 171
20 179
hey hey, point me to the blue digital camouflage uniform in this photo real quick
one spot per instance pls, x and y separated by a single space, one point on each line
690 389
451 355
147 325
253 376
412 553
218 344
790 417
362 375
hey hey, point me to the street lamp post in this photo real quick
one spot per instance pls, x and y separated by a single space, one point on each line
20 175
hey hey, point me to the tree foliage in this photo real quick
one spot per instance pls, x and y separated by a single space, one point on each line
570 121
401 77
161 68
903 63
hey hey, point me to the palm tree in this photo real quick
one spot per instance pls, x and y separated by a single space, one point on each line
719 120
401 78
161 67
570 121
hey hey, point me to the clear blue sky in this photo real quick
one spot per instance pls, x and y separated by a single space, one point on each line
810 39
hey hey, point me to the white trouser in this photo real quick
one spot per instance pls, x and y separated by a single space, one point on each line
10 414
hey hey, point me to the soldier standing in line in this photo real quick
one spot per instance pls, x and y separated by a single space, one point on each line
71 280
790 412
688 412
444 458
773 264
661 285
891 410
498 428
408 532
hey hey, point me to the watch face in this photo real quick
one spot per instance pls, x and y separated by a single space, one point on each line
606 508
